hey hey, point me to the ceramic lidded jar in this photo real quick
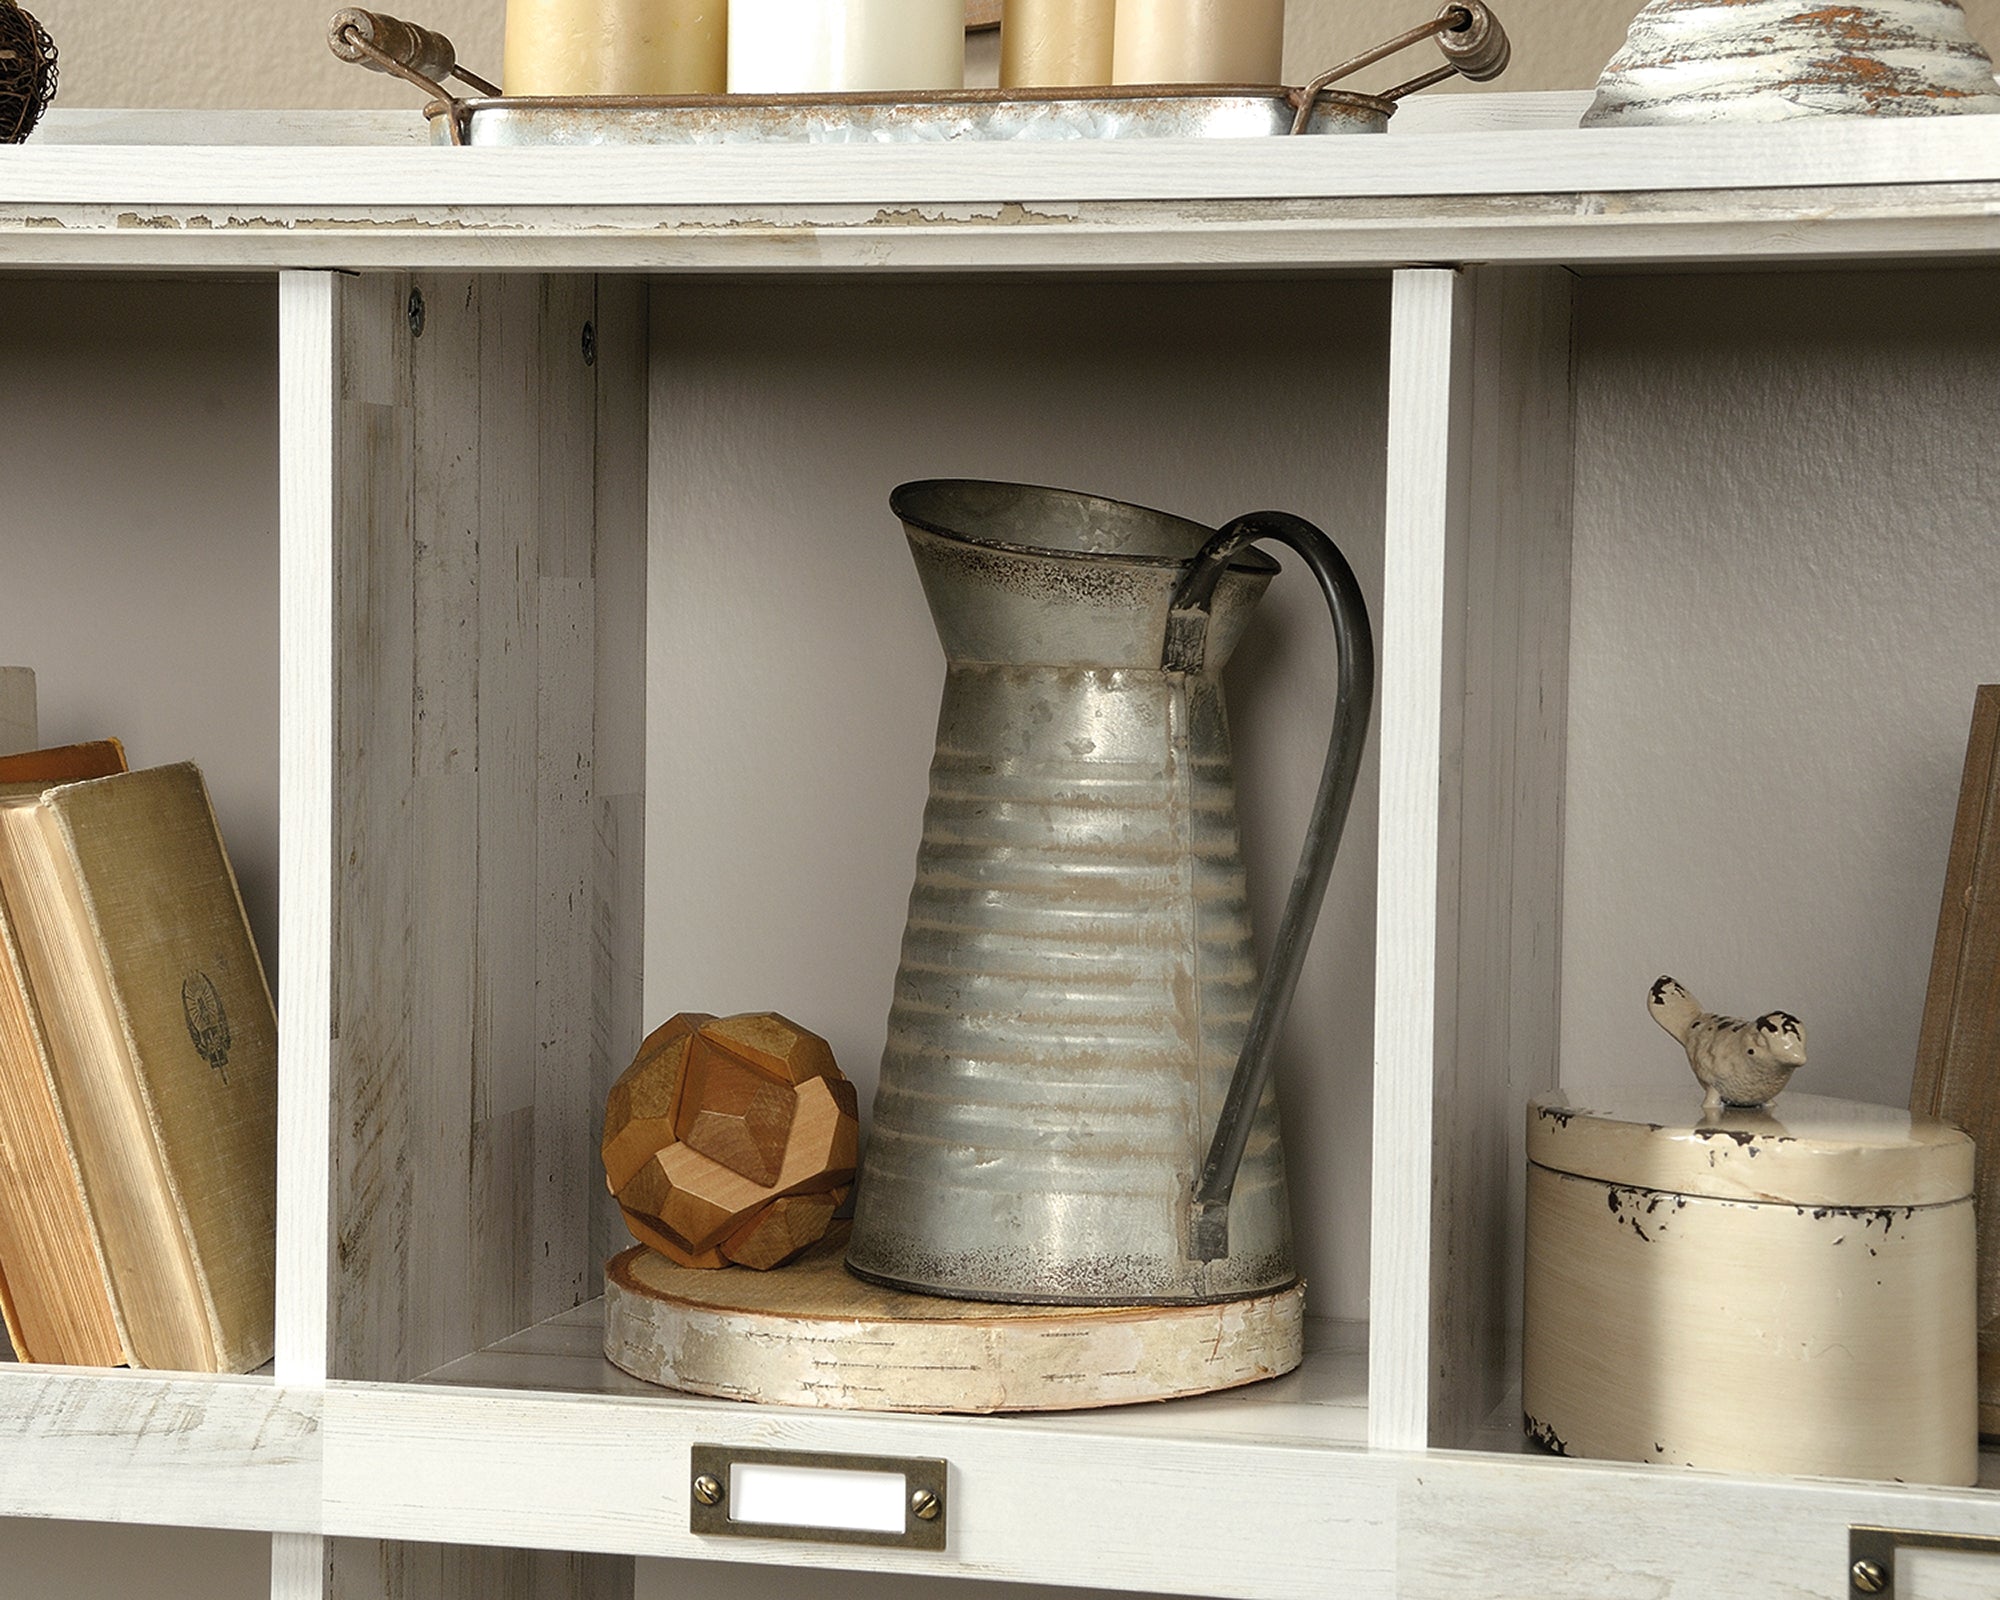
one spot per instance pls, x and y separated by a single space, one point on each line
1687 61
1789 1291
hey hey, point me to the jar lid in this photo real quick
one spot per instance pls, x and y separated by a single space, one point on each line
1804 1150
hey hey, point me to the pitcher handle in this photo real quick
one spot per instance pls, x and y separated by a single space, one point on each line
1186 651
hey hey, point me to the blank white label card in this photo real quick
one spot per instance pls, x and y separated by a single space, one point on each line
817 1497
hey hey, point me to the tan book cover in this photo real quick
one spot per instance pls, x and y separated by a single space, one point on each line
163 1044
54 1297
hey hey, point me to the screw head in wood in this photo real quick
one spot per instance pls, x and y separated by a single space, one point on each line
708 1489
926 1505
1869 1578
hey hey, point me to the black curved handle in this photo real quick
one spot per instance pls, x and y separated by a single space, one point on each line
1186 650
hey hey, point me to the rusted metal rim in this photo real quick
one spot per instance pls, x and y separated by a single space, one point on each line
944 99
1007 1296
909 501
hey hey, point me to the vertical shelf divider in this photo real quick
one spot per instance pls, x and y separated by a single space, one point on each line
1424 537
461 913
1474 697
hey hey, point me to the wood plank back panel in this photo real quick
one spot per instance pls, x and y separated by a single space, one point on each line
461 984
1475 670
1958 1046
618 868
1512 694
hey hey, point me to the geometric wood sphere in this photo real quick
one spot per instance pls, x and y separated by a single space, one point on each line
730 1140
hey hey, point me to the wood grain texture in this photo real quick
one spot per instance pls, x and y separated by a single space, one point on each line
1806 225
561 1472
810 1334
618 632
1855 186
1714 157
310 314
1416 893
17 709
443 891
1958 1047
1486 1527
1475 646
126 1447
1511 692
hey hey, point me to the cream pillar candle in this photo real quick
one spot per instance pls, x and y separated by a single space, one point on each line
1047 43
645 47
1198 41
812 46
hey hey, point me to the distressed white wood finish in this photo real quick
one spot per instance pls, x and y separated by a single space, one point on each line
447 965
1430 414
618 875
17 709
545 1448
1273 1518
300 1566
1850 151
1527 192
132 1447
1475 652
1801 225
1479 1527
310 312
1506 768
463 969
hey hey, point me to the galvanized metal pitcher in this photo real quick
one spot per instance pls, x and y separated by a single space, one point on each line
1074 1104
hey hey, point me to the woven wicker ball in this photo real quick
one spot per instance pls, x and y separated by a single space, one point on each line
27 72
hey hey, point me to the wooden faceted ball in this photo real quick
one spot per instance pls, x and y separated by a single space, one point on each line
730 1140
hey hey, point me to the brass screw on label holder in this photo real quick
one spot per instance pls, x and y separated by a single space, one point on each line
925 1504
1869 1578
708 1490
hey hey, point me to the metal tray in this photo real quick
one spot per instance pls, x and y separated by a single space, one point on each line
1469 36
934 117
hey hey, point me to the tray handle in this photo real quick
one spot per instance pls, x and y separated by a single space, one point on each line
1468 33
382 43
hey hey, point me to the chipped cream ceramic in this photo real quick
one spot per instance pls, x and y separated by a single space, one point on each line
1738 1063
1751 1292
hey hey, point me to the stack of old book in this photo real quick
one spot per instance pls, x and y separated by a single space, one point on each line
138 1074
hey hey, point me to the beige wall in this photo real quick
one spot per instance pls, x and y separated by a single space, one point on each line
207 53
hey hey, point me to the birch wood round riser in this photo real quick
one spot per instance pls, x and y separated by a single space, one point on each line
1810 1340
811 1334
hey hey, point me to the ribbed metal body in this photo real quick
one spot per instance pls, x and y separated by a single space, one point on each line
1077 974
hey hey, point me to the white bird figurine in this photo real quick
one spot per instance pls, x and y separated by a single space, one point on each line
1739 1063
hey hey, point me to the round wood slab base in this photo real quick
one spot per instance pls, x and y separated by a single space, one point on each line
811 1334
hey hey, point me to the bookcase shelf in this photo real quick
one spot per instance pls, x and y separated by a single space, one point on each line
579 727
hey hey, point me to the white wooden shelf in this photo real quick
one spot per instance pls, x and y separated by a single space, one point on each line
1466 182
516 563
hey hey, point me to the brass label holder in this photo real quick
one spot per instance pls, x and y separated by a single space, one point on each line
1871 1554
818 1497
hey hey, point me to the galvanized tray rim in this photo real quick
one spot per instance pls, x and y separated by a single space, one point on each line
1182 95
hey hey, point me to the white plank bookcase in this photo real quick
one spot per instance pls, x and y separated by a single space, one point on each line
512 385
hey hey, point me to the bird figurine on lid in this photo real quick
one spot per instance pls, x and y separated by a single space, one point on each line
1738 1063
